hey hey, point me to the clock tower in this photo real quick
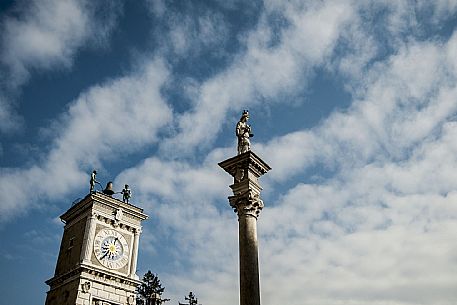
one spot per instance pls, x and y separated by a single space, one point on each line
98 253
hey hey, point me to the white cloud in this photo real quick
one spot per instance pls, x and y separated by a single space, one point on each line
377 230
189 36
170 180
157 7
358 240
180 197
440 9
408 99
114 118
43 35
262 71
9 120
47 34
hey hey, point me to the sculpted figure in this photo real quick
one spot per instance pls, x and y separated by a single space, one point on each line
126 194
243 133
93 180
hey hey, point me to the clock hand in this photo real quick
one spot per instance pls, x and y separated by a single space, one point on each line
115 240
106 253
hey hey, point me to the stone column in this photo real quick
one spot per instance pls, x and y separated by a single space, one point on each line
249 263
136 240
245 169
88 242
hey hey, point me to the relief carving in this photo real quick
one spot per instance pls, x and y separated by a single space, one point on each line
85 287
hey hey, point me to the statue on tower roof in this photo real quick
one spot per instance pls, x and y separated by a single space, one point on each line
126 194
93 180
191 298
243 133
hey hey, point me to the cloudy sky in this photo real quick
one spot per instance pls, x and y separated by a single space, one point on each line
353 104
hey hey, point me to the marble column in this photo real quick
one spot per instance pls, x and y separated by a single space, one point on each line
245 169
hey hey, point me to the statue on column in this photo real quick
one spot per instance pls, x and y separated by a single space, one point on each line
243 133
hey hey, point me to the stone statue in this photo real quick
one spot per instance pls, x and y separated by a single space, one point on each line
243 133
126 194
93 180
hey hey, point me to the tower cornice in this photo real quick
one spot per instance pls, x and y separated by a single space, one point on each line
101 198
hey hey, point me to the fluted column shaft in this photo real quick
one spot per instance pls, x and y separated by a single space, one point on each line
136 240
88 243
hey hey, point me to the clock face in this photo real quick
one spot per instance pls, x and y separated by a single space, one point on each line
111 249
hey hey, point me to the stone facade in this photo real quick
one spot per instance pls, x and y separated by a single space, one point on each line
81 277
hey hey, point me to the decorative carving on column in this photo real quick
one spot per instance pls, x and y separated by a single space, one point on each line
247 203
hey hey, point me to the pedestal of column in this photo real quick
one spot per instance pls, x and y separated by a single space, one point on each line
246 169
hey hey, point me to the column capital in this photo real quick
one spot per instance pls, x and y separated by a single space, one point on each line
247 203
246 170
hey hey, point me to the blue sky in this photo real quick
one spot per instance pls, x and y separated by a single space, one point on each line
353 104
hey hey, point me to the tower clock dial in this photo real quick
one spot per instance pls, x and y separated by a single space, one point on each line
111 249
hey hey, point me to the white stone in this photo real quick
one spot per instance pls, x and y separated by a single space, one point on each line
110 289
